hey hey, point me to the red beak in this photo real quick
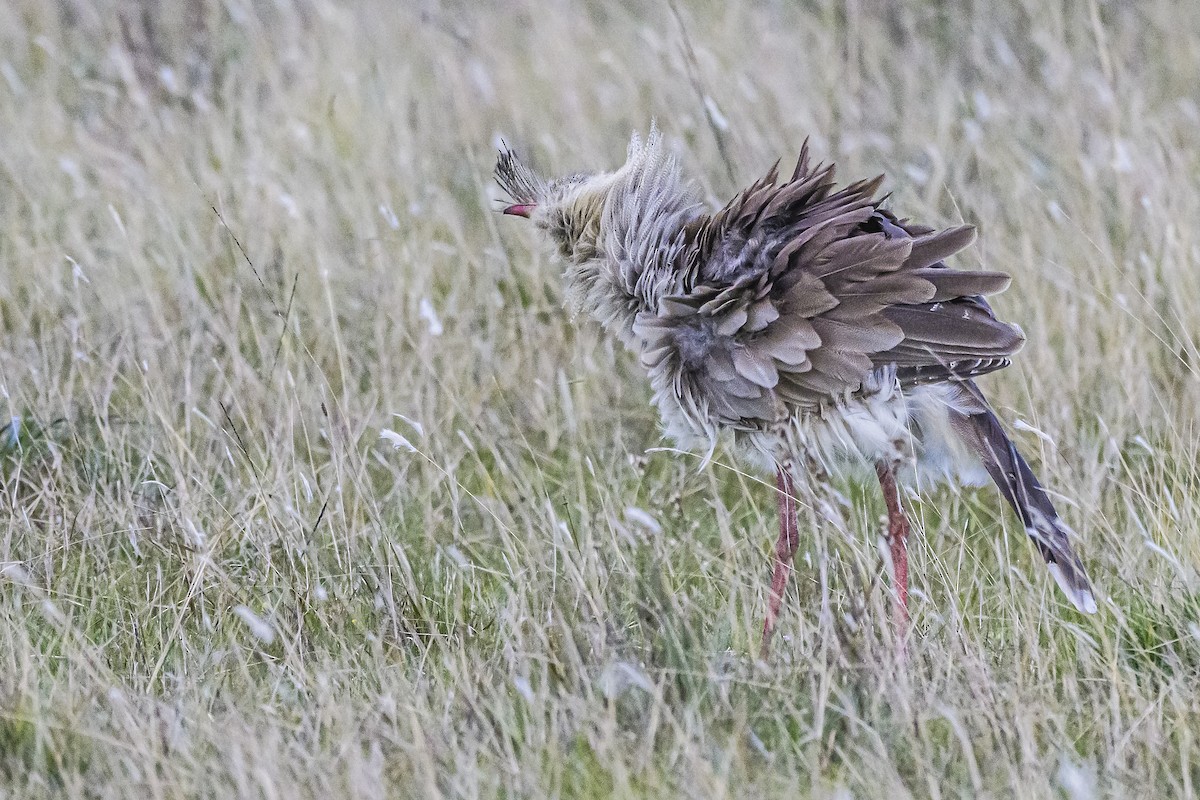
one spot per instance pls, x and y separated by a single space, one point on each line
521 209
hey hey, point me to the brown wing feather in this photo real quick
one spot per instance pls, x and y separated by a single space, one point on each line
794 292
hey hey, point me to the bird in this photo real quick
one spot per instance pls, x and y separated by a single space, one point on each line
807 324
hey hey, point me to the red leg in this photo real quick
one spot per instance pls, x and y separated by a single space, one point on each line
785 552
898 543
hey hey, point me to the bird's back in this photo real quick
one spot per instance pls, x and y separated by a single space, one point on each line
795 293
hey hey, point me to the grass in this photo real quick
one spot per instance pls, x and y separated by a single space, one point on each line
237 239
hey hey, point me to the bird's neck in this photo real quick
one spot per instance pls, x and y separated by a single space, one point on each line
628 262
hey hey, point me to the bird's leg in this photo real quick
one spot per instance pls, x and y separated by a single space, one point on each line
897 543
785 551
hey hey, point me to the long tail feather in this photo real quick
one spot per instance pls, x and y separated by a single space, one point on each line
981 431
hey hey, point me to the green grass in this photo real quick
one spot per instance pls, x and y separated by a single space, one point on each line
225 228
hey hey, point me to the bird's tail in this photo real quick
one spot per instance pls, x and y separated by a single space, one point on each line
980 430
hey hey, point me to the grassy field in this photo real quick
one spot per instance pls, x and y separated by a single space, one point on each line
240 240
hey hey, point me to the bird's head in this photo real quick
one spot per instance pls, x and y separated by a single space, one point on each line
568 209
